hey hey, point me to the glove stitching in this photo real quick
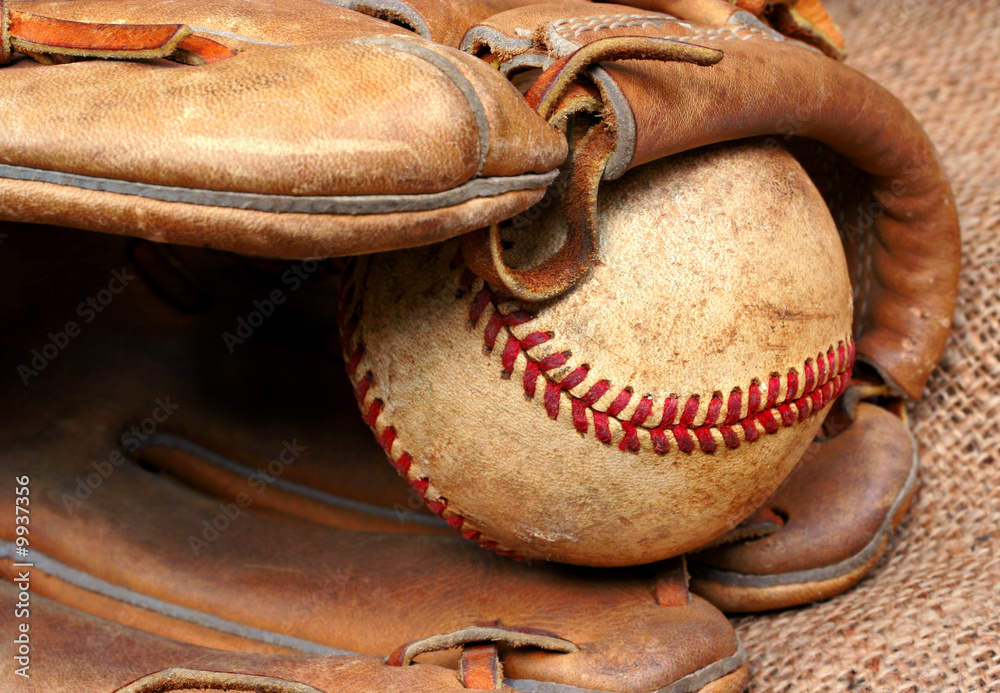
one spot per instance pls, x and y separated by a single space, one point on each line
573 28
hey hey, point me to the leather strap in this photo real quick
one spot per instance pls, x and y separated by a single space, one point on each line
515 637
552 84
177 679
480 667
803 20
483 250
44 38
671 583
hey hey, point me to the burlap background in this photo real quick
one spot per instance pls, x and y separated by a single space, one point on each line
928 619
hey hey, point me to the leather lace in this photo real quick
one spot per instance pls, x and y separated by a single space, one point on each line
50 41
483 249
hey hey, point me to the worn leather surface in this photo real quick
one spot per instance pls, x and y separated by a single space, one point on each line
804 20
770 85
297 585
836 500
825 528
442 21
446 21
559 430
73 652
240 390
328 133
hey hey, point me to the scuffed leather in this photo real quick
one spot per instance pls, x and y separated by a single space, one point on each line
836 500
805 20
74 652
363 592
442 21
50 41
826 528
333 131
770 85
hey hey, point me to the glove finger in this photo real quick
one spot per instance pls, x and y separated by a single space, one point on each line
290 148
73 652
839 507
107 532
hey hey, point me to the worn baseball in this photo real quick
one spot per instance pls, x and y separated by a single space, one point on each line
645 412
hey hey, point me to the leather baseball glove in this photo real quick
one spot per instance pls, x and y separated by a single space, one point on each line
182 484
302 129
472 153
79 653
181 171
904 282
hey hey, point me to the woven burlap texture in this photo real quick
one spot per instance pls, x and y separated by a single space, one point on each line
928 619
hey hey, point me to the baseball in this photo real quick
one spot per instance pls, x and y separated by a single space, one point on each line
645 412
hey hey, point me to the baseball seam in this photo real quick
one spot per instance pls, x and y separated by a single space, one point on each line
824 379
372 408
729 420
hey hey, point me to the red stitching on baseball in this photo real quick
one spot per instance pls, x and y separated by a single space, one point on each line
387 439
642 412
714 407
669 411
660 444
553 361
793 408
553 393
736 405
630 441
821 386
580 416
683 438
352 363
534 339
771 414
596 391
621 401
492 330
690 411
510 352
530 378
361 389
602 431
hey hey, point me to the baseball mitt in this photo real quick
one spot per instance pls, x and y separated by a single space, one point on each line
282 139
164 154
79 653
133 437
